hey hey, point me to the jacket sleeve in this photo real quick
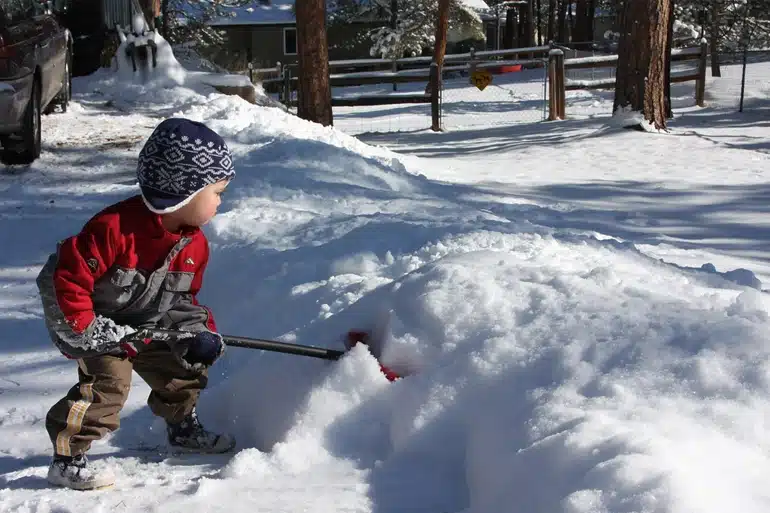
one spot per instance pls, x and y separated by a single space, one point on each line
66 284
187 314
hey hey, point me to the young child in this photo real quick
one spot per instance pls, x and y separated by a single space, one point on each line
138 264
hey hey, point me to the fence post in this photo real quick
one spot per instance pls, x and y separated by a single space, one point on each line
562 90
556 92
394 69
472 63
286 86
700 83
435 105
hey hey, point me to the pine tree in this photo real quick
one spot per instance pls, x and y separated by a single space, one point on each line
186 21
313 92
411 30
640 83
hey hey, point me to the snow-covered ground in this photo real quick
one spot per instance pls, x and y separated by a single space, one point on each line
579 311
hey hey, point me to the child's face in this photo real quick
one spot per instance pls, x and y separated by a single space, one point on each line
203 206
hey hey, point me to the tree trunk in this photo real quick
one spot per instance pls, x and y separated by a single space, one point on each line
640 82
667 68
632 57
714 39
313 91
580 35
538 8
562 35
655 108
551 20
442 26
526 32
510 28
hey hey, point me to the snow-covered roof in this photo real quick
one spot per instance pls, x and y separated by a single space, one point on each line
277 12
280 12
479 5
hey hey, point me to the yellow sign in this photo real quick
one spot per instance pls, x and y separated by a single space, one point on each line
481 78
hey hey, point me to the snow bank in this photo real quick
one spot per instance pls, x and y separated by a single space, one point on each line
169 84
549 374
546 371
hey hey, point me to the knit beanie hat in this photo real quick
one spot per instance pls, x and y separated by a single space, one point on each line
180 158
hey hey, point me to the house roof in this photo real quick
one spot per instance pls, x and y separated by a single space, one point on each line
277 12
280 12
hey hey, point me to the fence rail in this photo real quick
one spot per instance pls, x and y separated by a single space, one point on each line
282 79
559 84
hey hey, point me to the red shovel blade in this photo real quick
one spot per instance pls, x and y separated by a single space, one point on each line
363 337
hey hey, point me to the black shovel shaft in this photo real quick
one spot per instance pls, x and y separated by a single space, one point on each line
283 347
260 343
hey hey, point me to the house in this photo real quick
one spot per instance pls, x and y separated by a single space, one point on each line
265 32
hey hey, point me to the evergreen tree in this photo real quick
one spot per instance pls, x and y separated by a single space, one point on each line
411 30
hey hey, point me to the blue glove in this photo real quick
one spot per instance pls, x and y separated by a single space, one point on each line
204 348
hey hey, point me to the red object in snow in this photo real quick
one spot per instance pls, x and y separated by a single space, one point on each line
510 69
354 337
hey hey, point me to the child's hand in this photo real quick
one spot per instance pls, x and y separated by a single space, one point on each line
204 348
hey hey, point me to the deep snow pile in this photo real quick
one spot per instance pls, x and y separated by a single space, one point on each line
548 369
167 86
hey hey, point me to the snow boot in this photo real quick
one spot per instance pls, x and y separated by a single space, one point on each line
74 472
190 436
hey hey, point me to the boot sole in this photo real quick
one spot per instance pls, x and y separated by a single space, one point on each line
185 450
82 488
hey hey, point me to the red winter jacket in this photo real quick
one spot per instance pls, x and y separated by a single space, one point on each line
125 266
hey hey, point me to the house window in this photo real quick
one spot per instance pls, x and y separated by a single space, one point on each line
290 41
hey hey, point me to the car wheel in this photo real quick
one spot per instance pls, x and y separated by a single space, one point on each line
25 148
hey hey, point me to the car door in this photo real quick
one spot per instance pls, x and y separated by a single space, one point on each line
18 54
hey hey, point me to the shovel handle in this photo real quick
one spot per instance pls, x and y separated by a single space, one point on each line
283 347
256 343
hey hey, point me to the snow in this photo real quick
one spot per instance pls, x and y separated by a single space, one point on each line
579 311
281 12
257 13
608 59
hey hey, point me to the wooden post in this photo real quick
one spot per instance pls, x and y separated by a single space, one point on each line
561 92
286 85
435 89
552 112
394 68
700 83
472 63
556 85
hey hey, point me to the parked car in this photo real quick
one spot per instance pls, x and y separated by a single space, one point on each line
35 63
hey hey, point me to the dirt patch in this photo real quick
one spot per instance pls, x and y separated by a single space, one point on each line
117 142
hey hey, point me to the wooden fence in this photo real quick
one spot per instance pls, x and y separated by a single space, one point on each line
282 79
559 84
346 73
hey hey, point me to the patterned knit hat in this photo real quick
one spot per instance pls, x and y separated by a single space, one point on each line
180 158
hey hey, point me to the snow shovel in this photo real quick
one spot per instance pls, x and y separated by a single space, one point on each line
353 337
